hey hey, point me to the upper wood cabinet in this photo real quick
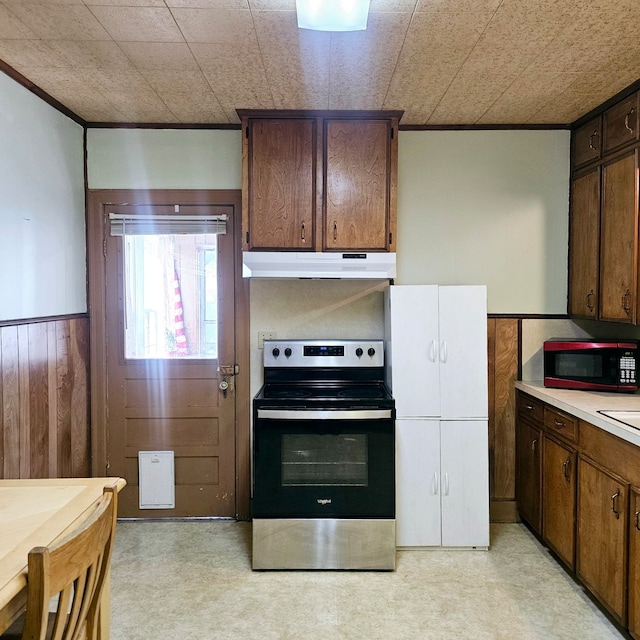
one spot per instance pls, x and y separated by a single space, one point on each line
620 124
619 240
584 245
319 180
587 142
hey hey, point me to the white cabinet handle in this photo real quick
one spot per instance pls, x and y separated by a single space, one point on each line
446 484
434 484
433 351
443 351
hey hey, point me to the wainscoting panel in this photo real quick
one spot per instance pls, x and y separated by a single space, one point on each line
44 399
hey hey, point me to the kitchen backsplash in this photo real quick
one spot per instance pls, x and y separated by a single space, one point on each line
314 309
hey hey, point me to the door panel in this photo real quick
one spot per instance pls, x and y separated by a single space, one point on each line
170 399
418 521
465 483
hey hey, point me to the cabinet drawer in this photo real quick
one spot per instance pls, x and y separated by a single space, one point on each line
561 423
620 124
587 142
530 408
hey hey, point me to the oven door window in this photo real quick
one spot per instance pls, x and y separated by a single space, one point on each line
324 460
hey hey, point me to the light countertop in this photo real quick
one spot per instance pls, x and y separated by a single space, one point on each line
586 404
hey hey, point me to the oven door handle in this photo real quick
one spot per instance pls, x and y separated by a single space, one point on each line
319 414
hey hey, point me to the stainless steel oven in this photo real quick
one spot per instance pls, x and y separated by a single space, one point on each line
324 458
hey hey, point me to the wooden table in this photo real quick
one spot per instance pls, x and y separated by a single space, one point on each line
34 513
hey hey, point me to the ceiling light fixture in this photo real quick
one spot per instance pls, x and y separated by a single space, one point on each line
332 15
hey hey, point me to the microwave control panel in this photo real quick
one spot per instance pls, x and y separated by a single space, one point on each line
627 368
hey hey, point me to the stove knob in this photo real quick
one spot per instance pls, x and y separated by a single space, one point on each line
371 352
359 352
287 352
275 352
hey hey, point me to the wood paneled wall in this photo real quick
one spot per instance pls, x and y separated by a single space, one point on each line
44 399
504 365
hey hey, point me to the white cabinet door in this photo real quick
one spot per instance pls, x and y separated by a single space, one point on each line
464 463
463 352
417 483
413 367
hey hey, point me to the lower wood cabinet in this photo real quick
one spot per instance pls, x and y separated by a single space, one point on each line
529 473
634 564
602 521
559 504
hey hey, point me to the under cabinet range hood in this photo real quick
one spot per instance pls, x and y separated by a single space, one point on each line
286 264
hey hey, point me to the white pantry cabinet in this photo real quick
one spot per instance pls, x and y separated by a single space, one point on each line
442 483
436 359
436 350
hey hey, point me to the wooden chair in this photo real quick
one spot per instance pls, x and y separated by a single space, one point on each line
74 569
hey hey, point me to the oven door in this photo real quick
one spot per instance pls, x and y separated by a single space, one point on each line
324 463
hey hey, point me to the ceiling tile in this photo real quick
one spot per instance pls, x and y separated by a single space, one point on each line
215 25
209 4
11 27
60 22
174 56
138 24
100 54
32 53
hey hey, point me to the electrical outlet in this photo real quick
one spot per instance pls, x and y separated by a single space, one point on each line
265 335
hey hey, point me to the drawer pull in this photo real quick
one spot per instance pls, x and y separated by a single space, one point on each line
590 300
302 234
637 520
565 469
625 302
558 423
534 445
529 407
591 138
614 505
627 126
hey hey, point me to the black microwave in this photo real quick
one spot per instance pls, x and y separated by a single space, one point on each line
590 364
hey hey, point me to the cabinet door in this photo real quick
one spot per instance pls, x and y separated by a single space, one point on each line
413 367
587 142
463 352
529 473
601 554
417 483
620 124
357 185
281 184
584 242
619 232
464 462
634 565
559 501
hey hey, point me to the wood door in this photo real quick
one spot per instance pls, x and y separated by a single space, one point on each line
559 502
464 477
172 403
584 245
418 521
619 240
634 564
601 554
529 473
357 185
280 178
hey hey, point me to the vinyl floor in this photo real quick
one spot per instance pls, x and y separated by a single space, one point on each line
193 580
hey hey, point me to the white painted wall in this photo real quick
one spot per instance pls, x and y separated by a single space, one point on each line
164 159
486 207
42 231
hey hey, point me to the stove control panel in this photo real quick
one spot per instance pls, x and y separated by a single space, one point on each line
323 353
